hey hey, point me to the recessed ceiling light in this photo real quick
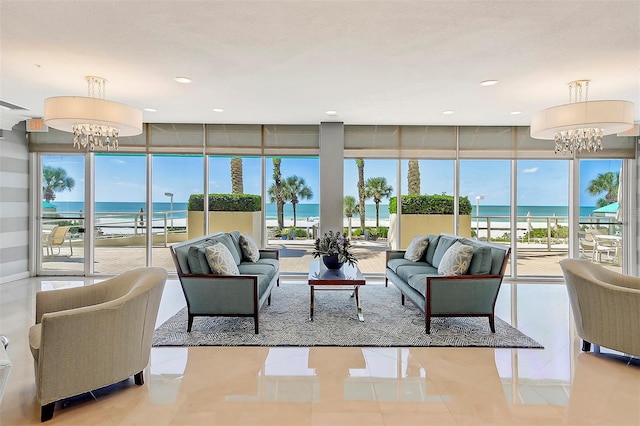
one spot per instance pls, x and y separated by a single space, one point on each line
489 82
184 80
447 112
331 113
218 110
150 109
515 112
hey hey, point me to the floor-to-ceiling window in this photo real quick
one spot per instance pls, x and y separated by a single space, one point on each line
543 222
373 181
601 233
175 178
159 170
62 218
120 212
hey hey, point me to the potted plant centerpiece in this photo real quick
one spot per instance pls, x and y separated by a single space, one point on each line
335 249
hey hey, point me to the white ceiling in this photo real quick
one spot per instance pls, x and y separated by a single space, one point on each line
287 62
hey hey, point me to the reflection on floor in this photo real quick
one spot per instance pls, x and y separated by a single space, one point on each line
336 386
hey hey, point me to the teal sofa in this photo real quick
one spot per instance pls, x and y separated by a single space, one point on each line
472 294
210 294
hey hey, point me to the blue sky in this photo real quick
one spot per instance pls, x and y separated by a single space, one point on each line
122 177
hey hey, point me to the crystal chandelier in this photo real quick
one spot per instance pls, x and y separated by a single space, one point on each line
94 121
580 125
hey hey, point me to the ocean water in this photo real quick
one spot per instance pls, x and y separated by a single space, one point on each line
311 211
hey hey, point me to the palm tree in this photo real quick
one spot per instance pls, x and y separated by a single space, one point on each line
608 183
275 191
295 189
55 179
349 208
236 176
413 178
362 196
378 189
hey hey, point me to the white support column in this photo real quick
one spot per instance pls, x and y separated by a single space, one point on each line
331 176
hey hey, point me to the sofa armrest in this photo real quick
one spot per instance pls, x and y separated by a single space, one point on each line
394 254
468 294
270 254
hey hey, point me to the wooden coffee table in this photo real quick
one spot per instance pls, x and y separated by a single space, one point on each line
346 278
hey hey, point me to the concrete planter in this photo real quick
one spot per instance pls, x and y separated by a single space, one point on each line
249 222
424 224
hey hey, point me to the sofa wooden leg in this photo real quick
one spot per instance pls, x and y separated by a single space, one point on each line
386 282
586 346
492 323
138 378
278 282
402 298
427 325
255 322
46 413
269 299
189 323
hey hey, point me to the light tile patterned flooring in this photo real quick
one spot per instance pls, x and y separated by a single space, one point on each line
557 385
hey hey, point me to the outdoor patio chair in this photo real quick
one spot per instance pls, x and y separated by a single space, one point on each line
56 239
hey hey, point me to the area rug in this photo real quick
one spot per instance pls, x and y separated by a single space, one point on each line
335 323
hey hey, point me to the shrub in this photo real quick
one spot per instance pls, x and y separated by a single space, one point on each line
226 203
429 204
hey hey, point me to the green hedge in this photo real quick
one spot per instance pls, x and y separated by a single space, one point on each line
429 204
226 203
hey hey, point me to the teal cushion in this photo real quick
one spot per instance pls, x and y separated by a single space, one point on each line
481 261
197 259
274 263
444 242
394 263
407 271
431 248
250 268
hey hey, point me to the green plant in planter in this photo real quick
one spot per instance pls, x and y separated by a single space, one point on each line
430 204
226 202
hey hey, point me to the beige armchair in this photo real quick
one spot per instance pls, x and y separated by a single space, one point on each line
605 306
89 337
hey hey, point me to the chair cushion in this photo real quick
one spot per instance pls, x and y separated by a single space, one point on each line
250 249
393 264
250 268
221 260
419 268
275 264
456 259
416 248
444 242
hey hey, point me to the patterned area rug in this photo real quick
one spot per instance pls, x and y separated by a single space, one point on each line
386 323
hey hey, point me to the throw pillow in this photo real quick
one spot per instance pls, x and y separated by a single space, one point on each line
250 249
416 248
456 259
220 260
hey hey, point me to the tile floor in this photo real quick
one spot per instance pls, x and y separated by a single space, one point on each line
346 386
